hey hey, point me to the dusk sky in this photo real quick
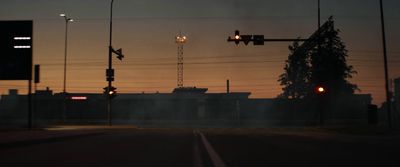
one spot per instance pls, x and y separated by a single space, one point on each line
145 29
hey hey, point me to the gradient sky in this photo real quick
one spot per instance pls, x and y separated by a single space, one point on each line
145 30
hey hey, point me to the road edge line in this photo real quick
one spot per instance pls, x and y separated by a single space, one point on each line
215 158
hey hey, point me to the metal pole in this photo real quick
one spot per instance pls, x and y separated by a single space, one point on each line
64 96
321 119
65 55
227 86
388 98
30 104
110 67
284 40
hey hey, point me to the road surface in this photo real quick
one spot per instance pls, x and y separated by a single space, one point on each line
205 147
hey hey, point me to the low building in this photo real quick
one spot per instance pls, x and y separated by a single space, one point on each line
184 107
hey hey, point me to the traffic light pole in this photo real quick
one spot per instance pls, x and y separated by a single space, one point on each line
269 40
109 68
109 91
30 117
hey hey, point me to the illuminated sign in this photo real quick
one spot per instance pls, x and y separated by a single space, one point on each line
79 98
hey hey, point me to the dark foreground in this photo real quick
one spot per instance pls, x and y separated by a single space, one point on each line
196 147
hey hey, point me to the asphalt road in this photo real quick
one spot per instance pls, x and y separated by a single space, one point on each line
186 147
283 147
111 149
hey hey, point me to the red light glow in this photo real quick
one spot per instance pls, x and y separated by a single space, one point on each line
320 90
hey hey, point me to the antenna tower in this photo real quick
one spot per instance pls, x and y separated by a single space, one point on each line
180 40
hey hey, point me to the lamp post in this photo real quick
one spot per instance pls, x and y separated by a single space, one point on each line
67 20
388 98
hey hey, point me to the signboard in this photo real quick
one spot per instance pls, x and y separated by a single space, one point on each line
16 50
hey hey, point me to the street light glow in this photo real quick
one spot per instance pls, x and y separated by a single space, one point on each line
181 39
62 15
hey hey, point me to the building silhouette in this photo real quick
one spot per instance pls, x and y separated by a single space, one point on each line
188 107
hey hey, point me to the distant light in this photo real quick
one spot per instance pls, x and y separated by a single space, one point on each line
22 38
62 15
79 98
181 39
71 20
22 47
321 89
111 92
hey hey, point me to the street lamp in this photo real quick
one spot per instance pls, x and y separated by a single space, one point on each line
67 20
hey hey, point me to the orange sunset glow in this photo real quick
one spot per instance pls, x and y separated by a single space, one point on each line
146 31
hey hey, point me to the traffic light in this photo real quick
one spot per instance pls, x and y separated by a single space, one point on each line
246 38
236 38
118 52
258 39
110 91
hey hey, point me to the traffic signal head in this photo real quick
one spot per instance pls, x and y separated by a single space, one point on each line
258 39
110 91
118 52
246 39
237 37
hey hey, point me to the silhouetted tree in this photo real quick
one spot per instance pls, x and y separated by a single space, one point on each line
325 67
329 66
297 73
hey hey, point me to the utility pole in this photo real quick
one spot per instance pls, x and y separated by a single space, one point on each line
388 94
321 100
